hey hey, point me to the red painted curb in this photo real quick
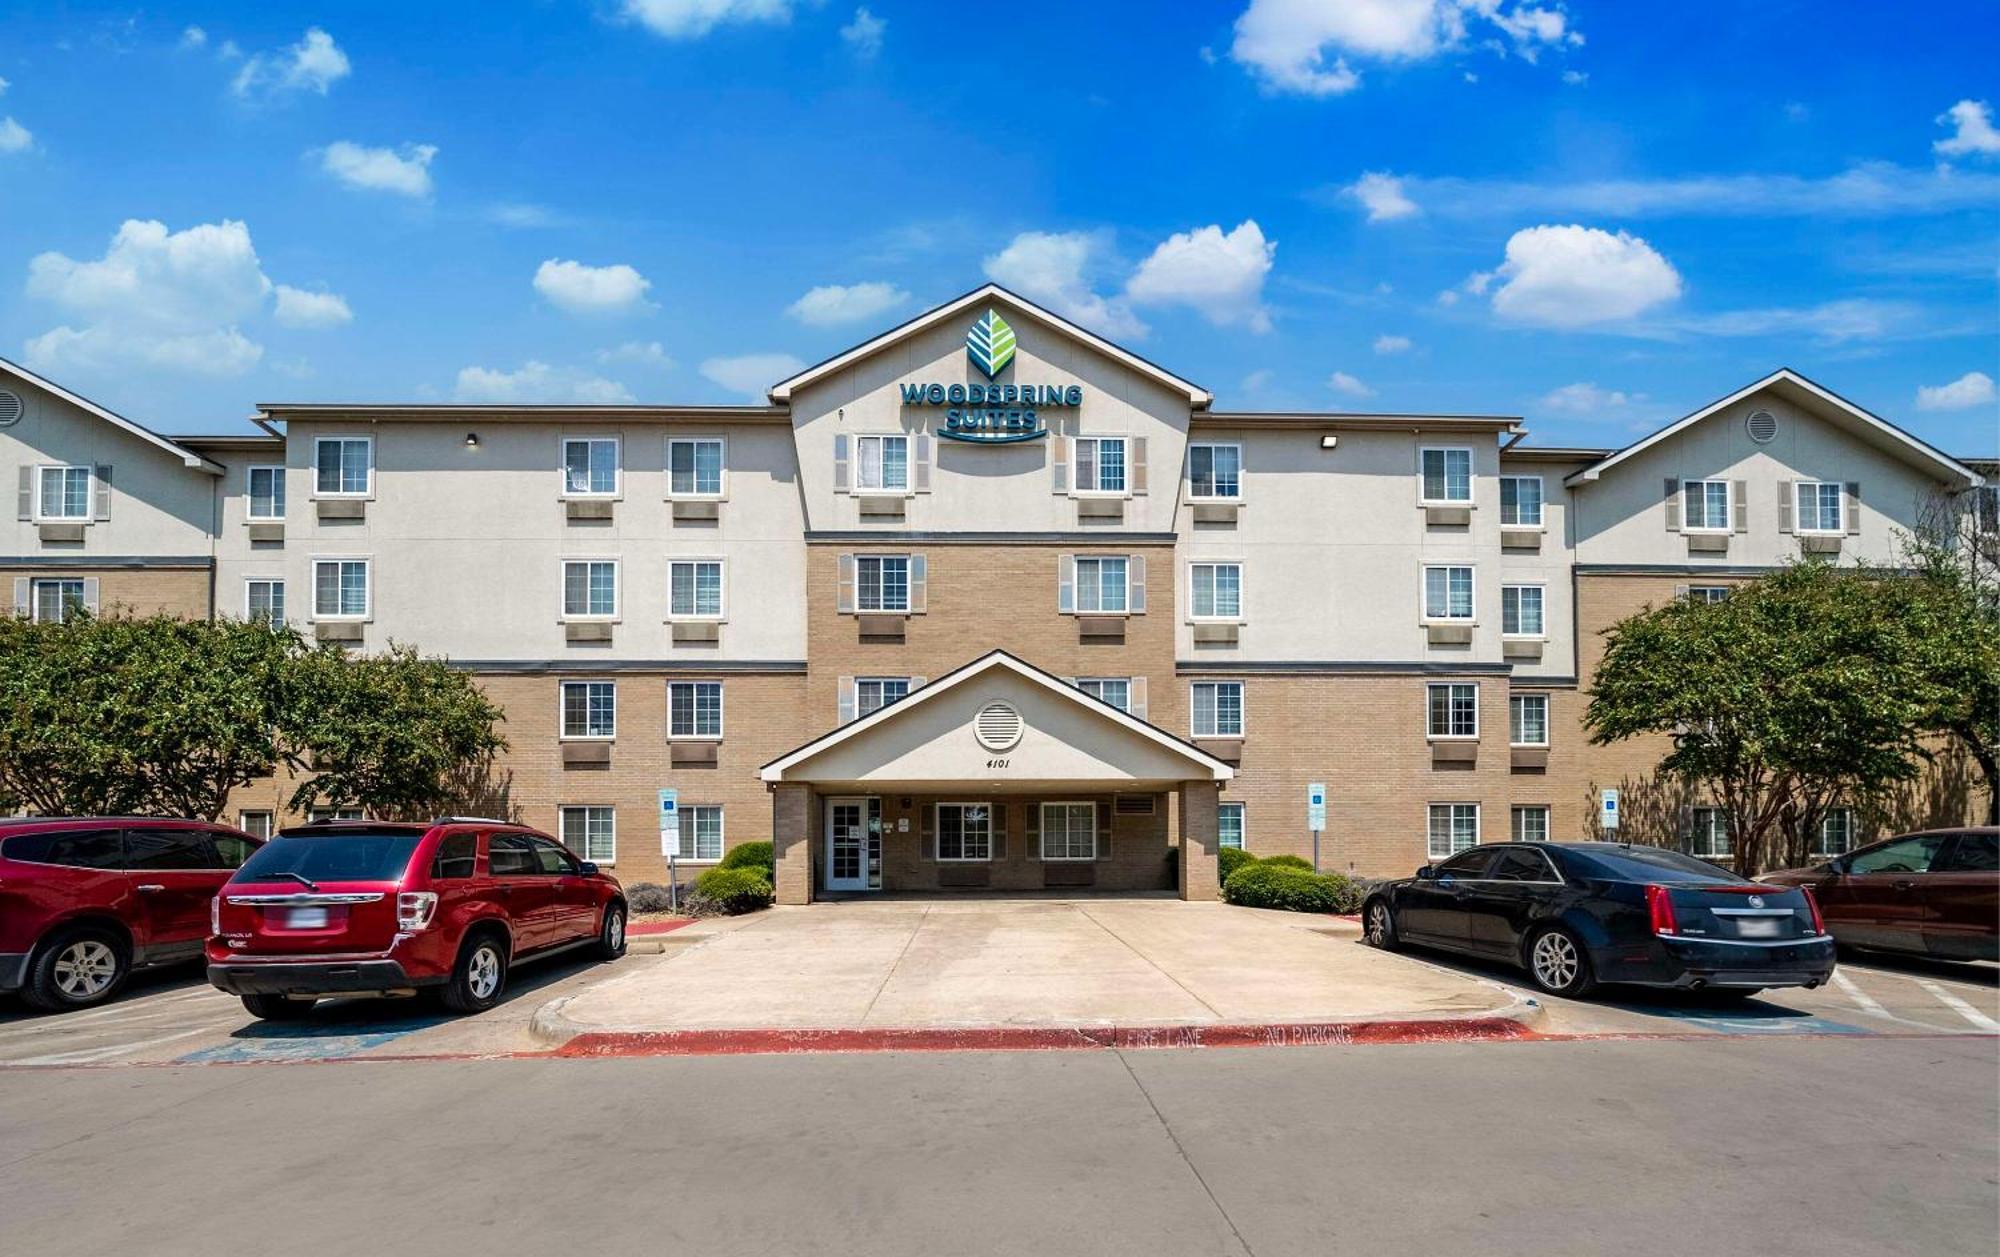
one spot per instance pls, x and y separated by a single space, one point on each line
641 929
1036 1039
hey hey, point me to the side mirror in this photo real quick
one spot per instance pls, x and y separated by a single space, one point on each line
589 869
1427 873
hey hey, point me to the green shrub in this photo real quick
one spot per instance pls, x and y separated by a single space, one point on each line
1267 884
735 890
1347 893
1229 859
1288 862
752 855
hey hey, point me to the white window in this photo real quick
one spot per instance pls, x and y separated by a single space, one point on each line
700 834
264 601
1521 611
1528 719
63 493
1229 825
694 467
343 466
267 493
1819 506
1705 506
591 832
1520 501
1100 584
1218 709
1215 472
1454 709
1069 831
257 823
590 467
340 589
964 831
882 582
1836 832
1448 593
1116 691
55 599
1707 593
589 709
1447 476
590 589
1454 827
694 709
1216 590
875 693
694 589
1531 823
1100 464
1708 833
882 464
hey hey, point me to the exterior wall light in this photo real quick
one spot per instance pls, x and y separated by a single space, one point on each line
1328 442
472 440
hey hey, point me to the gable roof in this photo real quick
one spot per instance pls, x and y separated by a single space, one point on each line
995 660
1820 401
781 392
187 456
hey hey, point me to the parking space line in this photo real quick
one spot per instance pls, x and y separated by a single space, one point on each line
87 1056
1867 1002
1959 1006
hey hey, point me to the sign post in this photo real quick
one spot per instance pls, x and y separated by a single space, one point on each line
1607 813
1316 816
670 834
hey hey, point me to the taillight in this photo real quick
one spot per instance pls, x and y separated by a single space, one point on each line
1660 907
1812 902
414 909
215 915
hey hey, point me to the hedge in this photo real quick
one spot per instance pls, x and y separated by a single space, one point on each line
752 855
735 890
648 897
1280 884
1229 859
1288 861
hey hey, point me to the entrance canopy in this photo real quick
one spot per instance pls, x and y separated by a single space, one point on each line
1003 725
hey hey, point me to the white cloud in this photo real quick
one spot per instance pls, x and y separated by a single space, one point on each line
1257 381
194 37
4 85
379 169
1050 268
691 19
522 214
1303 46
1974 388
831 305
1342 382
538 383
1575 77
863 36
1973 133
15 138
580 289
299 308
1219 274
1830 321
1386 344
1584 398
1382 193
636 353
752 375
314 64
1571 277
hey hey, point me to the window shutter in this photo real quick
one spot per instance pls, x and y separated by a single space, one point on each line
927 831
1059 463
846 706
1852 508
90 593
1135 569
844 595
1673 504
922 479
999 831
1136 696
22 588
1104 829
1739 493
1787 495
920 568
1066 583
1031 830
840 462
27 503
101 482
1136 472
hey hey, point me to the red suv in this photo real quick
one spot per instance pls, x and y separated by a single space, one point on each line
86 900
375 908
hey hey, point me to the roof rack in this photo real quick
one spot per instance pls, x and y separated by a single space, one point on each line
471 820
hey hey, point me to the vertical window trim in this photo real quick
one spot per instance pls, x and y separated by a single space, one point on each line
1472 593
1541 503
1471 475
1194 496
1541 609
277 471
1097 443
617 592
363 494
617 489
721 468
367 588
721 589
1194 614
721 712
562 711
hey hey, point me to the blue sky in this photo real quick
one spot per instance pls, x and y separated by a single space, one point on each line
1596 215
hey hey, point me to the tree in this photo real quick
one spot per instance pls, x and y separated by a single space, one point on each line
1956 565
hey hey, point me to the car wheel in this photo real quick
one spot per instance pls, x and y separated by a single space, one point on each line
1379 925
277 1007
1558 965
76 968
479 976
611 935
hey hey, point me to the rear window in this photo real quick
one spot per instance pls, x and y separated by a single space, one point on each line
350 856
1646 864
77 848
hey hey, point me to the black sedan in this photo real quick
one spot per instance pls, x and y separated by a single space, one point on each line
1575 914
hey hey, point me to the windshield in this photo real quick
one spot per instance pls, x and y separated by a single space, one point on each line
1646 864
350 856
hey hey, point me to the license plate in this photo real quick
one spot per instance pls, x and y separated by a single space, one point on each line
305 918
1758 927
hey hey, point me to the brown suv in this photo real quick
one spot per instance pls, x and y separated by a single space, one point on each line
1935 893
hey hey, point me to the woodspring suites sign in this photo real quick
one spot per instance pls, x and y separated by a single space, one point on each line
992 413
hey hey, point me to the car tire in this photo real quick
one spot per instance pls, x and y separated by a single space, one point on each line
1378 925
1558 964
480 976
611 934
277 1007
75 968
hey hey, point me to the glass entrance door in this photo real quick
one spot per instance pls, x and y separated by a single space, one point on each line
853 844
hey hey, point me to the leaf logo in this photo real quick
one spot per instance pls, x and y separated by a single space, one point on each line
990 344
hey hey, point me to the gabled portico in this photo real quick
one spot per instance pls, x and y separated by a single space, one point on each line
999 776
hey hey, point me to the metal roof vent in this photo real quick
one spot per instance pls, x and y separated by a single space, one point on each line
1762 425
997 726
11 408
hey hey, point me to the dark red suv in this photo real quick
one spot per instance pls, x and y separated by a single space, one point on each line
86 900
374 908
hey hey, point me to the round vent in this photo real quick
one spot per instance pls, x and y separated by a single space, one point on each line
1763 425
11 408
997 726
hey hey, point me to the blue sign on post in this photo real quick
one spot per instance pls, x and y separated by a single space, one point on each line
1316 806
1608 812
670 821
